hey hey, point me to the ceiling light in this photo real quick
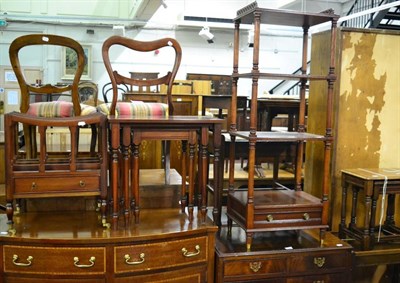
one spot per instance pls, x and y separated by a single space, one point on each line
206 34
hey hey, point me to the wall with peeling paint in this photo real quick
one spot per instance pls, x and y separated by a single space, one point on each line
367 109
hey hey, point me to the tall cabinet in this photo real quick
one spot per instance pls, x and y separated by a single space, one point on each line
280 209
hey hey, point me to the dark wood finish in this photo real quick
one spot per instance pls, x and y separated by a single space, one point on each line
243 207
129 132
53 240
373 182
269 108
285 256
76 172
220 84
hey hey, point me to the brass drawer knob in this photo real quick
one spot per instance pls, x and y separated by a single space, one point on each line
319 261
91 260
186 253
29 260
82 184
33 186
128 258
270 218
306 216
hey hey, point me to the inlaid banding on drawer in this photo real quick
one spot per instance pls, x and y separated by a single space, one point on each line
60 260
168 254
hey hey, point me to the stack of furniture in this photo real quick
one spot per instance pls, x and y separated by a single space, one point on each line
33 168
279 209
174 244
280 234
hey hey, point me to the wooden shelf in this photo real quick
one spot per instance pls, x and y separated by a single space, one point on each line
280 136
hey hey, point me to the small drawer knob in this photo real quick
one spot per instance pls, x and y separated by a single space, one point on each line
306 216
270 218
82 183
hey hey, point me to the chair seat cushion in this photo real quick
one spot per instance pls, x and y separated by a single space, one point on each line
136 109
57 109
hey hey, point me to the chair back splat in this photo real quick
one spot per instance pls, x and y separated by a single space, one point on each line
141 46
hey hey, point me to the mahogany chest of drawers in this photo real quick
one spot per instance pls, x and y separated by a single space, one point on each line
73 247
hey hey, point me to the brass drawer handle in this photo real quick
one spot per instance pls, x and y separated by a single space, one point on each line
128 258
29 260
255 266
319 261
82 184
306 216
91 260
270 218
186 253
33 186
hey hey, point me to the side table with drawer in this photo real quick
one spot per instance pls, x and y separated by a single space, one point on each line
282 256
374 182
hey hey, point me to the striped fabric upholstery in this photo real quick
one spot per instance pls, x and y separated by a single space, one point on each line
136 109
57 109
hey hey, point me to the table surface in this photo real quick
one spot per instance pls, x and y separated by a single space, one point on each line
374 173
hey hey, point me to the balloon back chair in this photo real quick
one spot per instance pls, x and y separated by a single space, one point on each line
137 51
54 160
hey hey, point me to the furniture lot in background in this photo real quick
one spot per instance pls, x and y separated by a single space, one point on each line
34 170
370 183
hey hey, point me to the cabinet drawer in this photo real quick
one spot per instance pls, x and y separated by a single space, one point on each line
184 275
255 267
299 217
60 260
317 262
324 278
57 184
160 255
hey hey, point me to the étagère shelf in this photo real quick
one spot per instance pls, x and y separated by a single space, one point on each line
280 209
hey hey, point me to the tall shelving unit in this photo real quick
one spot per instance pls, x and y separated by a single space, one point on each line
280 209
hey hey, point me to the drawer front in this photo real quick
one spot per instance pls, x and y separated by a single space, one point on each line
184 275
57 184
325 278
255 268
160 255
60 260
318 262
283 218
45 280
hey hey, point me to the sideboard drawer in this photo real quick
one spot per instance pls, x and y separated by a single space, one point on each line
160 255
317 262
54 185
255 267
324 278
60 260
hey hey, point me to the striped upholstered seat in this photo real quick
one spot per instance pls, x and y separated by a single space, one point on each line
136 109
57 109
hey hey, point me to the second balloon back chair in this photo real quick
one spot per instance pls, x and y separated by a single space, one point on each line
122 55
